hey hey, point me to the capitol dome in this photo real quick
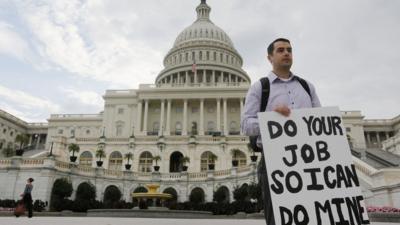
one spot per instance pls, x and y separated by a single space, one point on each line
202 54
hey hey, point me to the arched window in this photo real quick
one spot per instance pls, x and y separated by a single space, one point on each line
112 195
222 195
86 159
119 126
115 161
240 157
206 159
175 162
145 162
197 195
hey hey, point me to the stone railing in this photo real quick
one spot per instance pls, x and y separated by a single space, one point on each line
72 168
244 169
364 167
222 173
32 162
197 176
5 162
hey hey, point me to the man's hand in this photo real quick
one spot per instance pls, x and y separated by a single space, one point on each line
283 110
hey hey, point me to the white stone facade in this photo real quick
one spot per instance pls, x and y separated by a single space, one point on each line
192 110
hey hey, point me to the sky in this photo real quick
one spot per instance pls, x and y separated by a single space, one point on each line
60 56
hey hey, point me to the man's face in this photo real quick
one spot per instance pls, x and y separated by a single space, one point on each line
281 56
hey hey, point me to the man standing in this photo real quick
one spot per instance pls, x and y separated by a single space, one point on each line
285 91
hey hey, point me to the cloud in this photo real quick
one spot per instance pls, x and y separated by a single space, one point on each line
26 106
83 97
11 43
89 40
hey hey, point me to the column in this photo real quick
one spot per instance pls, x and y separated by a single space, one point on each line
240 113
225 116
139 118
368 139
213 76
218 115
146 111
201 127
195 77
168 126
38 141
387 135
187 81
161 128
204 77
378 138
184 125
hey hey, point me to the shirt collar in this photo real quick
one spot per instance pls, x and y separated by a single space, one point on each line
274 78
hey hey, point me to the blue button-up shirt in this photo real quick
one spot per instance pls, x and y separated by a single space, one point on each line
282 92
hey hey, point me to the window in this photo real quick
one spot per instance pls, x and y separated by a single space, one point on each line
178 128
72 132
210 126
11 133
156 126
115 161
157 110
120 111
210 109
208 56
4 130
179 109
348 129
87 131
201 55
119 127
206 160
86 159
241 157
195 109
233 109
60 131
145 162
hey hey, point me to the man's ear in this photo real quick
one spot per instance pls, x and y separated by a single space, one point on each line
269 58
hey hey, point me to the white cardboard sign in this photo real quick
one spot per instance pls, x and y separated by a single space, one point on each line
310 171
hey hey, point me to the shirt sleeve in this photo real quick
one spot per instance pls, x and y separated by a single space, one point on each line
249 119
314 97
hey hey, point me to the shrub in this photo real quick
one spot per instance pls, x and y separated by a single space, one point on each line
38 205
111 196
62 189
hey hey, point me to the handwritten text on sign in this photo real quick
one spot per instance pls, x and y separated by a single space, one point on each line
310 171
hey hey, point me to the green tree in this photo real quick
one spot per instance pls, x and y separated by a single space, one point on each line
22 139
86 191
129 156
73 148
62 189
8 152
100 154
111 196
156 158
240 193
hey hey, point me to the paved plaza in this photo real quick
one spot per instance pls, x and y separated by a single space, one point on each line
129 221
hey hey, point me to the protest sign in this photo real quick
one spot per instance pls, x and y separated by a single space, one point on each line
310 171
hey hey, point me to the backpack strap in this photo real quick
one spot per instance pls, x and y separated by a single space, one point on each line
264 93
304 84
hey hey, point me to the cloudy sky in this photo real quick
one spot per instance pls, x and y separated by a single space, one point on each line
59 56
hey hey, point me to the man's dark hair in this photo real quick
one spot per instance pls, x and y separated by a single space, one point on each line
31 179
271 46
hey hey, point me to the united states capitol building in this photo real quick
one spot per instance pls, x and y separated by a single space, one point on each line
191 111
